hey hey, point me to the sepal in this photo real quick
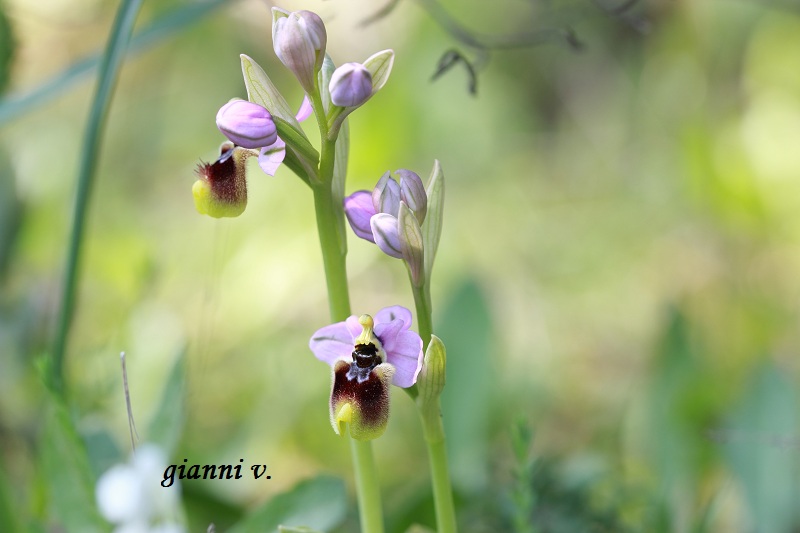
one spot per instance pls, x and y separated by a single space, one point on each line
431 379
432 227
411 246
412 192
386 195
384 230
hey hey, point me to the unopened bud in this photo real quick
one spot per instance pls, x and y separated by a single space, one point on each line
246 124
386 195
299 40
351 85
412 192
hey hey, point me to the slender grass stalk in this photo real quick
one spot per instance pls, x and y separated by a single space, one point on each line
106 80
440 471
432 428
422 302
161 28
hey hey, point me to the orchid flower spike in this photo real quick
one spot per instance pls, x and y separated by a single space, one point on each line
366 355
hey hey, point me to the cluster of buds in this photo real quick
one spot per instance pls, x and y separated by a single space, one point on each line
403 219
265 125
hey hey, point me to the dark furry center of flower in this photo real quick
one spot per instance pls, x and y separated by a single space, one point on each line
365 357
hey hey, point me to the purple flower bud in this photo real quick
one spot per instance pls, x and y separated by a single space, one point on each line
412 192
351 85
359 210
386 195
385 232
246 124
299 39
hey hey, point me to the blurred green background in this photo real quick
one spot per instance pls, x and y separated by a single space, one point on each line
617 281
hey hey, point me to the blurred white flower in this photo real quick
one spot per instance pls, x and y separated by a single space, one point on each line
130 495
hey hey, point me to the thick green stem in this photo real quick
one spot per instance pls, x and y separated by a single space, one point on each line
106 79
334 259
440 473
367 488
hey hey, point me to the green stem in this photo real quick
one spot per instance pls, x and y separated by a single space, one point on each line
440 475
367 487
422 301
432 428
106 79
334 260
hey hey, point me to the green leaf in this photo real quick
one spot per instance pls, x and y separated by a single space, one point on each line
262 91
8 520
11 213
380 66
167 424
431 378
7 48
432 226
301 529
157 31
465 325
411 244
298 142
68 473
317 503
760 444
324 78
342 155
89 155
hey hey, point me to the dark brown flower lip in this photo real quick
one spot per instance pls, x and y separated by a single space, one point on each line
226 175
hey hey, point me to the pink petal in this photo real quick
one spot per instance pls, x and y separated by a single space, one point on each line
332 343
384 230
387 332
358 208
406 357
305 110
272 156
387 314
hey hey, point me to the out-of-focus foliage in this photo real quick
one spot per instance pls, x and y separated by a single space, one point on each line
618 270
